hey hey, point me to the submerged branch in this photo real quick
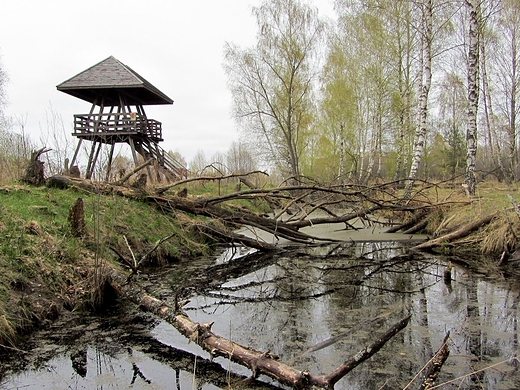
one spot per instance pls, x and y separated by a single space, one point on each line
365 353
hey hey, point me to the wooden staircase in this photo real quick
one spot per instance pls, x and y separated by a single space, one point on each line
165 163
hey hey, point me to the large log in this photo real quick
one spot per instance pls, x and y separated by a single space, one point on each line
459 233
258 362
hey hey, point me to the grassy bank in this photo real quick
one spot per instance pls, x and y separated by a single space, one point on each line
492 198
46 269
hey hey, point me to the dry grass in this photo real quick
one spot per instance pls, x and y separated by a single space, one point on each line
492 197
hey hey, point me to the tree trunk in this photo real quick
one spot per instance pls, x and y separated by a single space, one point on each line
496 153
473 93
34 171
426 56
462 232
259 362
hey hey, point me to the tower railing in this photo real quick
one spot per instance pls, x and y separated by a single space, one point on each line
86 125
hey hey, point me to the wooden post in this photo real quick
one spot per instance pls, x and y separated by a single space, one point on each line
88 173
109 165
76 152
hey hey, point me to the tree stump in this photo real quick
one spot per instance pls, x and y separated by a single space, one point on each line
141 181
34 170
74 171
77 218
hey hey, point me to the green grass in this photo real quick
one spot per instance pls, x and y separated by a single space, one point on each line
43 263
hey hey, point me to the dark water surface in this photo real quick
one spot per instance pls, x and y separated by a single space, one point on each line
288 305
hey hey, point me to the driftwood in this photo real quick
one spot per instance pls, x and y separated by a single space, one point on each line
437 362
258 362
459 233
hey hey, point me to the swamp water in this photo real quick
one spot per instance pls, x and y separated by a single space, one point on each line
287 305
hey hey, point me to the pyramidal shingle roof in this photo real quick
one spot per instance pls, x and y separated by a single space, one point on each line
108 80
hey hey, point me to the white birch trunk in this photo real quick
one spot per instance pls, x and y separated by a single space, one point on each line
426 70
473 93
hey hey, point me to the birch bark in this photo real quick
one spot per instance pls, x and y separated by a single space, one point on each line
426 76
472 7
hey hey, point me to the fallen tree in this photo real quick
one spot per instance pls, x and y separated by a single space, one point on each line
339 204
459 233
258 362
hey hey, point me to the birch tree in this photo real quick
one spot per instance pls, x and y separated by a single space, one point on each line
338 109
472 7
489 41
373 38
426 37
509 78
452 109
403 102
272 83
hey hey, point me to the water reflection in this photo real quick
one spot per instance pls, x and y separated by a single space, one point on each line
315 308
302 300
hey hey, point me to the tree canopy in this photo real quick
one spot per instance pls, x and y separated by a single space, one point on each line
273 83
382 91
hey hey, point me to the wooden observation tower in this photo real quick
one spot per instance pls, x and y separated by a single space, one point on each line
118 96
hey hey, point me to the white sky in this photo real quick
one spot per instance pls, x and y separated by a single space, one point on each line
176 45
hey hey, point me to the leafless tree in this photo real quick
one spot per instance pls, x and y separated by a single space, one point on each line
272 82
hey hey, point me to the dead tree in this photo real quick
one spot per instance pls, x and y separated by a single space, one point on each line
353 202
34 174
258 362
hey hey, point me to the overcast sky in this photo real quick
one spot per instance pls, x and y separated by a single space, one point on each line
176 45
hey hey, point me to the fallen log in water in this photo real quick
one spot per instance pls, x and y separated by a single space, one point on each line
436 364
433 367
353 198
459 233
258 362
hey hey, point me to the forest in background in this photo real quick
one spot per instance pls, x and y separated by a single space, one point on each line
387 90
